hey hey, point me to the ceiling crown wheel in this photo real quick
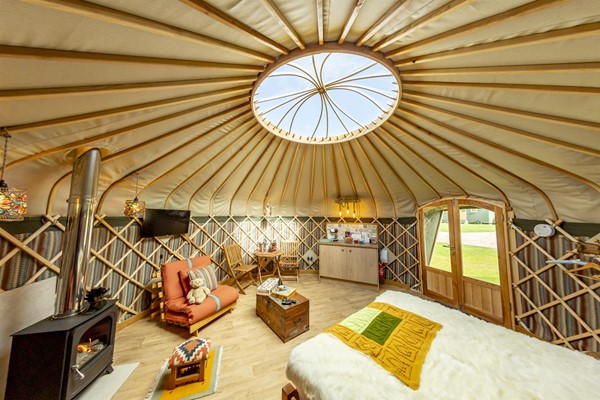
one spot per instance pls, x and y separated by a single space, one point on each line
326 94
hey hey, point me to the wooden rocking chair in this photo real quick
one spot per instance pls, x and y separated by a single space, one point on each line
288 263
237 268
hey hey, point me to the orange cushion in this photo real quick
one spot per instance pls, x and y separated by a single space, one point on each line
180 311
171 282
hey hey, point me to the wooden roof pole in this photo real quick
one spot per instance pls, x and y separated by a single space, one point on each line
494 145
406 163
560 89
396 9
349 173
127 129
58 92
350 20
415 154
111 15
426 19
274 175
512 112
253 149
231 22
283 21
312 180
172 151
281 141
482 160
254 166
505 69
320 18
249 134
289 174
377 174
127 109
444 155
300 168
485 23
325 195
520 41
37 53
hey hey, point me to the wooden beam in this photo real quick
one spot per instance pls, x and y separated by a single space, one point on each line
397 8
493 145
382 183
113 16
509 112
59 92
484 23
267 167
503 45
320 18
484 160
350 20
579 90
426 19
506 69
298 180
417 155
406 163
283 22
225 19
288 176
34 53
276 172
32 253
127 109
444 155
125 130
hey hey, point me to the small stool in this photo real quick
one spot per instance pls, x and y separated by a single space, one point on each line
188 362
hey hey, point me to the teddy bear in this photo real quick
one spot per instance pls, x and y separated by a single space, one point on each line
198 292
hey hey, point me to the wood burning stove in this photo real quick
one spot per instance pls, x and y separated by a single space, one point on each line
57 358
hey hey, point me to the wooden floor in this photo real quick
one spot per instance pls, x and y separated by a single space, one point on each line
254 359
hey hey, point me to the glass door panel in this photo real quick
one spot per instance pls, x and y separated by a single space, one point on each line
479 246
437 243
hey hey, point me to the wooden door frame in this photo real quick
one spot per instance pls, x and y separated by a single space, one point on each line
454 205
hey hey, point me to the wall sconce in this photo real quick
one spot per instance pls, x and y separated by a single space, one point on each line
268 210
135 208
345 202
13 202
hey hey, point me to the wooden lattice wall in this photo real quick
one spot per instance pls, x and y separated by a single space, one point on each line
552 302
124 263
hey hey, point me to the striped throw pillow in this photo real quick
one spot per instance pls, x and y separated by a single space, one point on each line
206 273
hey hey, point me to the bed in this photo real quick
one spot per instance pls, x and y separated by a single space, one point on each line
468 359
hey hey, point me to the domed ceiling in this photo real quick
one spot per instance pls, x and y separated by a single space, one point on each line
495 99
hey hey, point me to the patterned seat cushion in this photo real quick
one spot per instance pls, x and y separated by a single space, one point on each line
191 350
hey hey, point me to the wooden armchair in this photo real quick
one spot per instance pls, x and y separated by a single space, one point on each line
237 268
288 263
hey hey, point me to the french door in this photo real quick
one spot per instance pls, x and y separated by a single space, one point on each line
464 257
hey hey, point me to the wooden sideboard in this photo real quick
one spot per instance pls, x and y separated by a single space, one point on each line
349 262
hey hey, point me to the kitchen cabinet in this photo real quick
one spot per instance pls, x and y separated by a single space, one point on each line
349 262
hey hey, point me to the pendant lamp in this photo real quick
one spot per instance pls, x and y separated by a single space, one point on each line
135 208
13 202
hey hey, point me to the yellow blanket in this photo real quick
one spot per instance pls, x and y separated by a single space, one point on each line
396 339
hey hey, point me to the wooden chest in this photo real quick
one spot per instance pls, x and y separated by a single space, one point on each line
286 321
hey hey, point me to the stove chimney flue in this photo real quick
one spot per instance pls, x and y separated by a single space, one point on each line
71 282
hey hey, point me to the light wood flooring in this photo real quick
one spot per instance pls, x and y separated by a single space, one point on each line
254 358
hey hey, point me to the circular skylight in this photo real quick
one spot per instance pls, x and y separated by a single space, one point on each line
326 95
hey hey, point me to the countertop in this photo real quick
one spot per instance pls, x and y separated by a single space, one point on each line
342 243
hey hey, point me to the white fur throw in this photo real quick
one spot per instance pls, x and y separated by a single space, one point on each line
468 359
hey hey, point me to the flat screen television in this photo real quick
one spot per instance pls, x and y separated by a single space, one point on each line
160 222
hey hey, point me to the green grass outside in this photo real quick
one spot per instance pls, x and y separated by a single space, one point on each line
478 262
466 228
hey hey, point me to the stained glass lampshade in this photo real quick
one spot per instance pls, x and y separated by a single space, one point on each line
134 208
13 203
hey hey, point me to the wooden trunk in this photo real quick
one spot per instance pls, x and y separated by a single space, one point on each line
286 321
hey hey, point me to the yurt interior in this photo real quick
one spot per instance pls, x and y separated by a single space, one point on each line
299 199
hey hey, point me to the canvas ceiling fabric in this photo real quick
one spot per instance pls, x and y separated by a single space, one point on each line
500 101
